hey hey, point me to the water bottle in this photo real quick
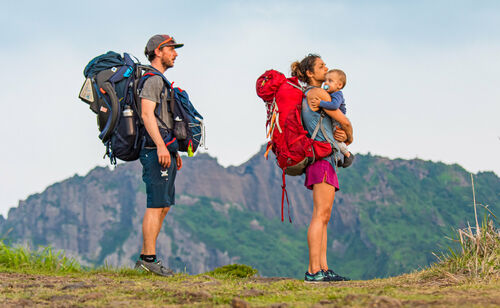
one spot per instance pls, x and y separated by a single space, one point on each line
128 117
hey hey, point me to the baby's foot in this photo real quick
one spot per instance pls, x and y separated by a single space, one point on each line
348 160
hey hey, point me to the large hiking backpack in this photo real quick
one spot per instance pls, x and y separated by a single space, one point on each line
110 89
293 147
189 129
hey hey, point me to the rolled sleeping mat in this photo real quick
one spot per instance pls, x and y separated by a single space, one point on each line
115 112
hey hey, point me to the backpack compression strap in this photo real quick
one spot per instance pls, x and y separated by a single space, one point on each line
284 194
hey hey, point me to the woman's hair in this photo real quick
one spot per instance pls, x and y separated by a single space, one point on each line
299 69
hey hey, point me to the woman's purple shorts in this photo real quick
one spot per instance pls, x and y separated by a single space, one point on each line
321 170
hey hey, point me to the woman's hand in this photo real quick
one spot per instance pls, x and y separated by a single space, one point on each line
340 135
315 101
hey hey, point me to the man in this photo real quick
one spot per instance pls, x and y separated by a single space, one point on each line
159 157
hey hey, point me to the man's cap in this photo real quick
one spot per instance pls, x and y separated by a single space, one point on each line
161 40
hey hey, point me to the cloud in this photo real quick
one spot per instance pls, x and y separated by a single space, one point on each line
422 76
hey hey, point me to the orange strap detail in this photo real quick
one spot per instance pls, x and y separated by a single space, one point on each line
271 126
267 151
164 42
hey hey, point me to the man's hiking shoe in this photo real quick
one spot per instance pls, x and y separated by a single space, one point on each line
154 267
320 276
334 276
348 160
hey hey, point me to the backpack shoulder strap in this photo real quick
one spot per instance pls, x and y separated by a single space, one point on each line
307 89
321 126
151 71
296 86
323 130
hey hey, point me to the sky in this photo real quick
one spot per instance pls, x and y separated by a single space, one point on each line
422 76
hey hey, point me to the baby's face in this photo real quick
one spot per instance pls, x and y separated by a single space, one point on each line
333 82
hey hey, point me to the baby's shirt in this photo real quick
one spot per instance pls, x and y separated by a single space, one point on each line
337 102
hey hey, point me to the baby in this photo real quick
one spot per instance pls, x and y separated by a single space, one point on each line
335 81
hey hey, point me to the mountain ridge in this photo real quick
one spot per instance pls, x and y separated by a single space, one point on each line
391 213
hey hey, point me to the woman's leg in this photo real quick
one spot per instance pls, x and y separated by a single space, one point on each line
323 196
323 260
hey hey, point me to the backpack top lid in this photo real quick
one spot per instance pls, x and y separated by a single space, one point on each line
268 84
103 62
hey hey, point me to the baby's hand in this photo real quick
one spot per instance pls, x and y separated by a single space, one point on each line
315 102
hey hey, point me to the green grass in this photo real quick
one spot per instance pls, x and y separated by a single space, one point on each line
41 260
45 260
43 277
233 271
478 255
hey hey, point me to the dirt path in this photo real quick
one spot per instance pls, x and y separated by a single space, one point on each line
115 290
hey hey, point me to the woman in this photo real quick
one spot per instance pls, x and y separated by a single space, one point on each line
320 176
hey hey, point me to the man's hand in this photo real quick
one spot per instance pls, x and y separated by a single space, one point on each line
340 135
179 161
315 102
163 156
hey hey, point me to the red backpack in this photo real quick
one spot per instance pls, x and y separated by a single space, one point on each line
289 140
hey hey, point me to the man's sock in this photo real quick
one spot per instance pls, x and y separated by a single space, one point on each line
148 258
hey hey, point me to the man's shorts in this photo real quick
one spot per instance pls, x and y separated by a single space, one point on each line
321 171
160 189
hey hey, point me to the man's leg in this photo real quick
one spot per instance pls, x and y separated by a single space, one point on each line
151 226
323 197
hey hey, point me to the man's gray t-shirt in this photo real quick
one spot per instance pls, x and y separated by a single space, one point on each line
152 90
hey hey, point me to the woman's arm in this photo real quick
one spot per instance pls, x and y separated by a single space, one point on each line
317 95
344 122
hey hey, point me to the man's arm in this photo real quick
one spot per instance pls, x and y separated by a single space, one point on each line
149 119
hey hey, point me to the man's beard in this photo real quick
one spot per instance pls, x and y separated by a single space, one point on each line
167 64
